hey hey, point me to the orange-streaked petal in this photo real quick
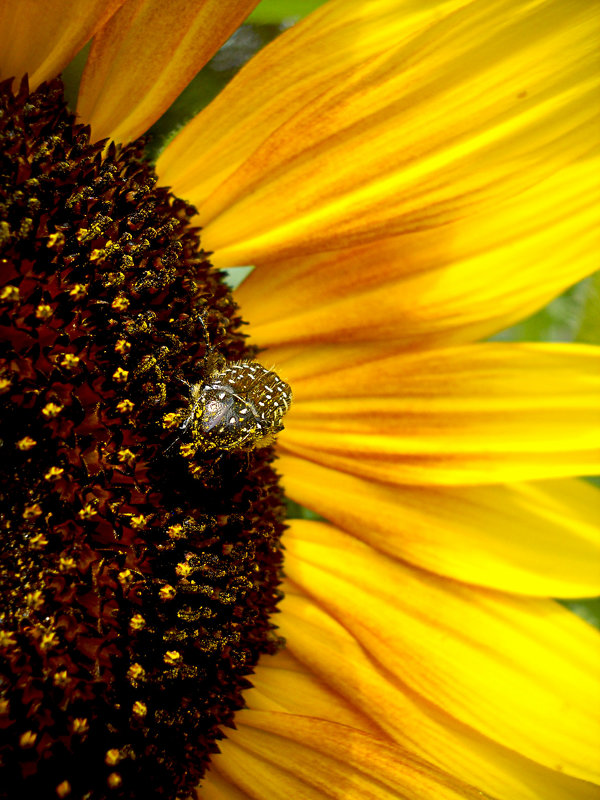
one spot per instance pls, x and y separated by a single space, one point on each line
41 38
217 787
283 756
283 684
540 538
436 287
332 659
446 110
146 55
293 70
487 413
522 672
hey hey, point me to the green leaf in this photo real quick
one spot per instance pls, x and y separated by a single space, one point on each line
588 609
235 275
296 511
589 327
278 11
71 75
574 316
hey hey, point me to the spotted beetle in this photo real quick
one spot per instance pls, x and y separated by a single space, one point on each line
239 406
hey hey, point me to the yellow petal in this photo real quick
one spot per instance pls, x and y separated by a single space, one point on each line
146 55
392 118
487 413
538 539
283 756
282 684
439 286
522 672
217 787
42 39
334 660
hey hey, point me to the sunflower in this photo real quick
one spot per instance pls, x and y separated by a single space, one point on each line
407 180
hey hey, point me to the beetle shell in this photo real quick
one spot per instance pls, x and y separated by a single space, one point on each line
240 407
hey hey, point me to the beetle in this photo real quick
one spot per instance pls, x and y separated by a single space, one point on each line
240 405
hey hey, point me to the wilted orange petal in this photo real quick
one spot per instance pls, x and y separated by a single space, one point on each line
146 55
41 38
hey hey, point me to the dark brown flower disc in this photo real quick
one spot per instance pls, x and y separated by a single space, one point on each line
137 579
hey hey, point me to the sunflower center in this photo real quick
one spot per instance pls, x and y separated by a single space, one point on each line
138 566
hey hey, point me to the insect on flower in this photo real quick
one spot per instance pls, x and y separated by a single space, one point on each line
239 406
